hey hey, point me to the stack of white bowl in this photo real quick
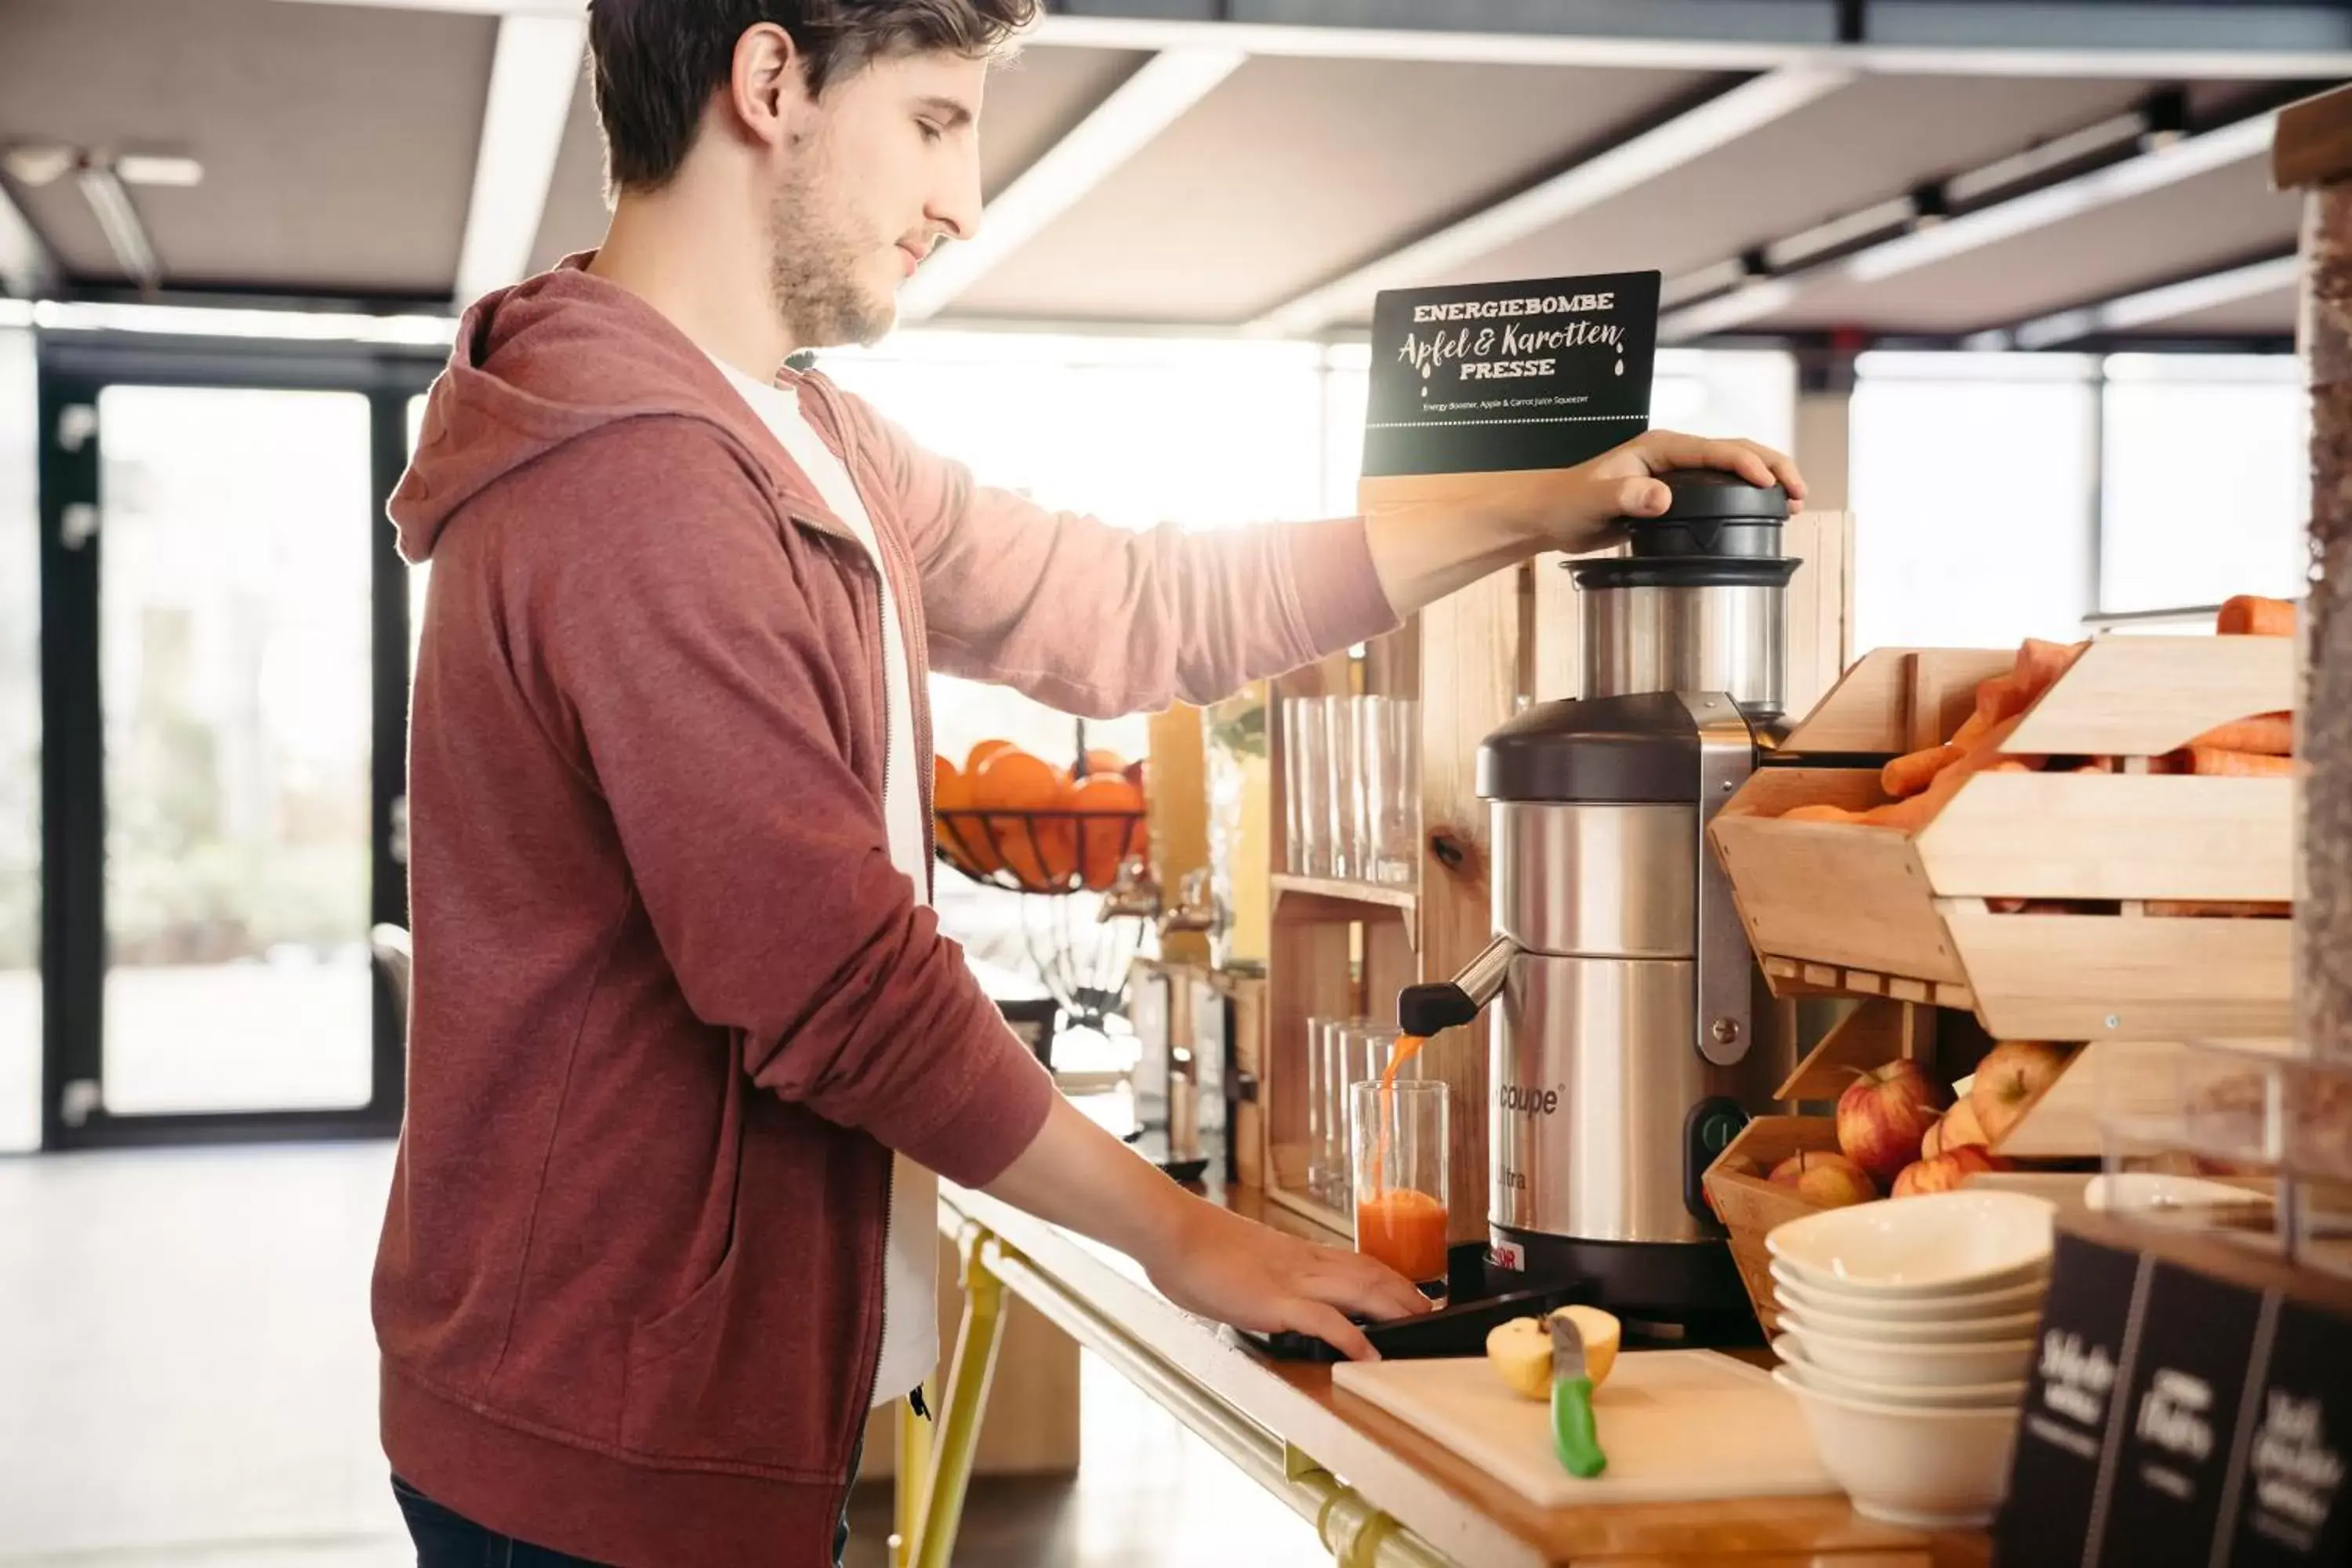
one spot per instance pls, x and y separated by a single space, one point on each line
1907 1329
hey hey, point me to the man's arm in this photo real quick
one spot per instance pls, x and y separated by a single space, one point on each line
654 615
1101 621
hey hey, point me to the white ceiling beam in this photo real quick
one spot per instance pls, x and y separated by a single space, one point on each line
2147 307
1142 106
533 75
1716 124
1931 242
26 268
2148 58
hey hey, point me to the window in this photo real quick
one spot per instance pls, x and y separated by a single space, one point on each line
2206 487
236 682
1972 478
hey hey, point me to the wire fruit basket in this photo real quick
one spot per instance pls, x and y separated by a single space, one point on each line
1046 856
1047 853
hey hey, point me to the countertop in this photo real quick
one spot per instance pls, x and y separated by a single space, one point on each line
1453 1507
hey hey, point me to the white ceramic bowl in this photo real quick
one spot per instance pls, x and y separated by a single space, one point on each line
1912 1366
1938 1245
1952 1309
2008 1395
1881 1330
1923 1469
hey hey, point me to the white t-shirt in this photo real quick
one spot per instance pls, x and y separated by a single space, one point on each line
911 1321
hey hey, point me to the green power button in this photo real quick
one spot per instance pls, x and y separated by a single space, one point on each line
1719 1129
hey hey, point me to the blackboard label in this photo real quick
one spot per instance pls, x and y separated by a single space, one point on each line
1483 377
2181 1418
2294 1504
2074 1387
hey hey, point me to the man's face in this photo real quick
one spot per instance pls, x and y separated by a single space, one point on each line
881 166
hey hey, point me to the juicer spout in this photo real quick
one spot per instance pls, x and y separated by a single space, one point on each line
1425 1010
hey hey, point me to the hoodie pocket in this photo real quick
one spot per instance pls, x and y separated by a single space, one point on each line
676 1330
754 1368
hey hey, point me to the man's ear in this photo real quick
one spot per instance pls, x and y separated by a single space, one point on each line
766 86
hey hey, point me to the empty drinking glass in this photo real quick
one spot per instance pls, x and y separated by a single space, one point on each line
1388 737
1306 784
1346 803
1320 1110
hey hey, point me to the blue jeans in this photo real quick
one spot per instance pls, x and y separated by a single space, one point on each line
448 1539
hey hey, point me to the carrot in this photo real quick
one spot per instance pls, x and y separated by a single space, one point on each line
2215 761
1907 775
2250 615
1818 812
1984 757
2038 666
2002 697
2241 910
2267 734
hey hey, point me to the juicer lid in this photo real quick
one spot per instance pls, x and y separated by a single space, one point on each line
1641 750
1717 495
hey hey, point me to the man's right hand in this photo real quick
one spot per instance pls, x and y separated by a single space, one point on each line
1204 1258
1238 1271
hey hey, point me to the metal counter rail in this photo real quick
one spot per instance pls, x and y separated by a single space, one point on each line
1358 1534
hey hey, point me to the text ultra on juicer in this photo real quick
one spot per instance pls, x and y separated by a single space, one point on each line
1622 1051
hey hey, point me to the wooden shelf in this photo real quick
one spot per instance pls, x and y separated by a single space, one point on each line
1327 896
1795 977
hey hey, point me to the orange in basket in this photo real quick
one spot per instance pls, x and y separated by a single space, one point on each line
1103 844
1038 852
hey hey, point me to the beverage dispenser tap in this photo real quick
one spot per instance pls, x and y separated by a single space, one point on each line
1426 1010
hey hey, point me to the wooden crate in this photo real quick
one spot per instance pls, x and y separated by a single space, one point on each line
1749 1205
1871 911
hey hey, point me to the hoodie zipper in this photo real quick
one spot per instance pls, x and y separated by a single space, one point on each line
874 556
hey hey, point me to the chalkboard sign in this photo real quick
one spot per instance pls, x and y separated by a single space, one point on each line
2293 1494
2074 1389
2181 1418
2184 1410
1484 378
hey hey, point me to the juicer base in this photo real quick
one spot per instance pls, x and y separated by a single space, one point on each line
1675 1293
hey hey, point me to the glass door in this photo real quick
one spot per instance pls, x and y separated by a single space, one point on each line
227 739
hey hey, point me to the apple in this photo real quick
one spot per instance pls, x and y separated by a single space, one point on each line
1885 1113
1957 1129
1825 1180
2011 1077
1945 1172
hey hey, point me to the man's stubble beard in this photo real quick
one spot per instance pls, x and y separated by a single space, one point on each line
813 273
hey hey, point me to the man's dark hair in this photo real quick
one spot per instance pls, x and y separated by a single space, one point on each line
658 61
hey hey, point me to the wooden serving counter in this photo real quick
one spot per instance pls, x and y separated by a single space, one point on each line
1376 1487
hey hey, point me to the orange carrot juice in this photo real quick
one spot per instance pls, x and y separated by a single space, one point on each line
1404 1229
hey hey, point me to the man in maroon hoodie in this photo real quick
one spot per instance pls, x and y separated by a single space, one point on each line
679 994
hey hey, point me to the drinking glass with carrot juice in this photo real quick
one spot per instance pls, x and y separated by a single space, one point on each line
1397 1146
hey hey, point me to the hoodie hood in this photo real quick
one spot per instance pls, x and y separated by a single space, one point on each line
546 361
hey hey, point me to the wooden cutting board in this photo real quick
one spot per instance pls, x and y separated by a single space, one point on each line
1677 1425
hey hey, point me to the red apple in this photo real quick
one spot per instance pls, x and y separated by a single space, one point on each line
1825 1180
1885 1113
2011 1077
1957 1129
1945 1172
